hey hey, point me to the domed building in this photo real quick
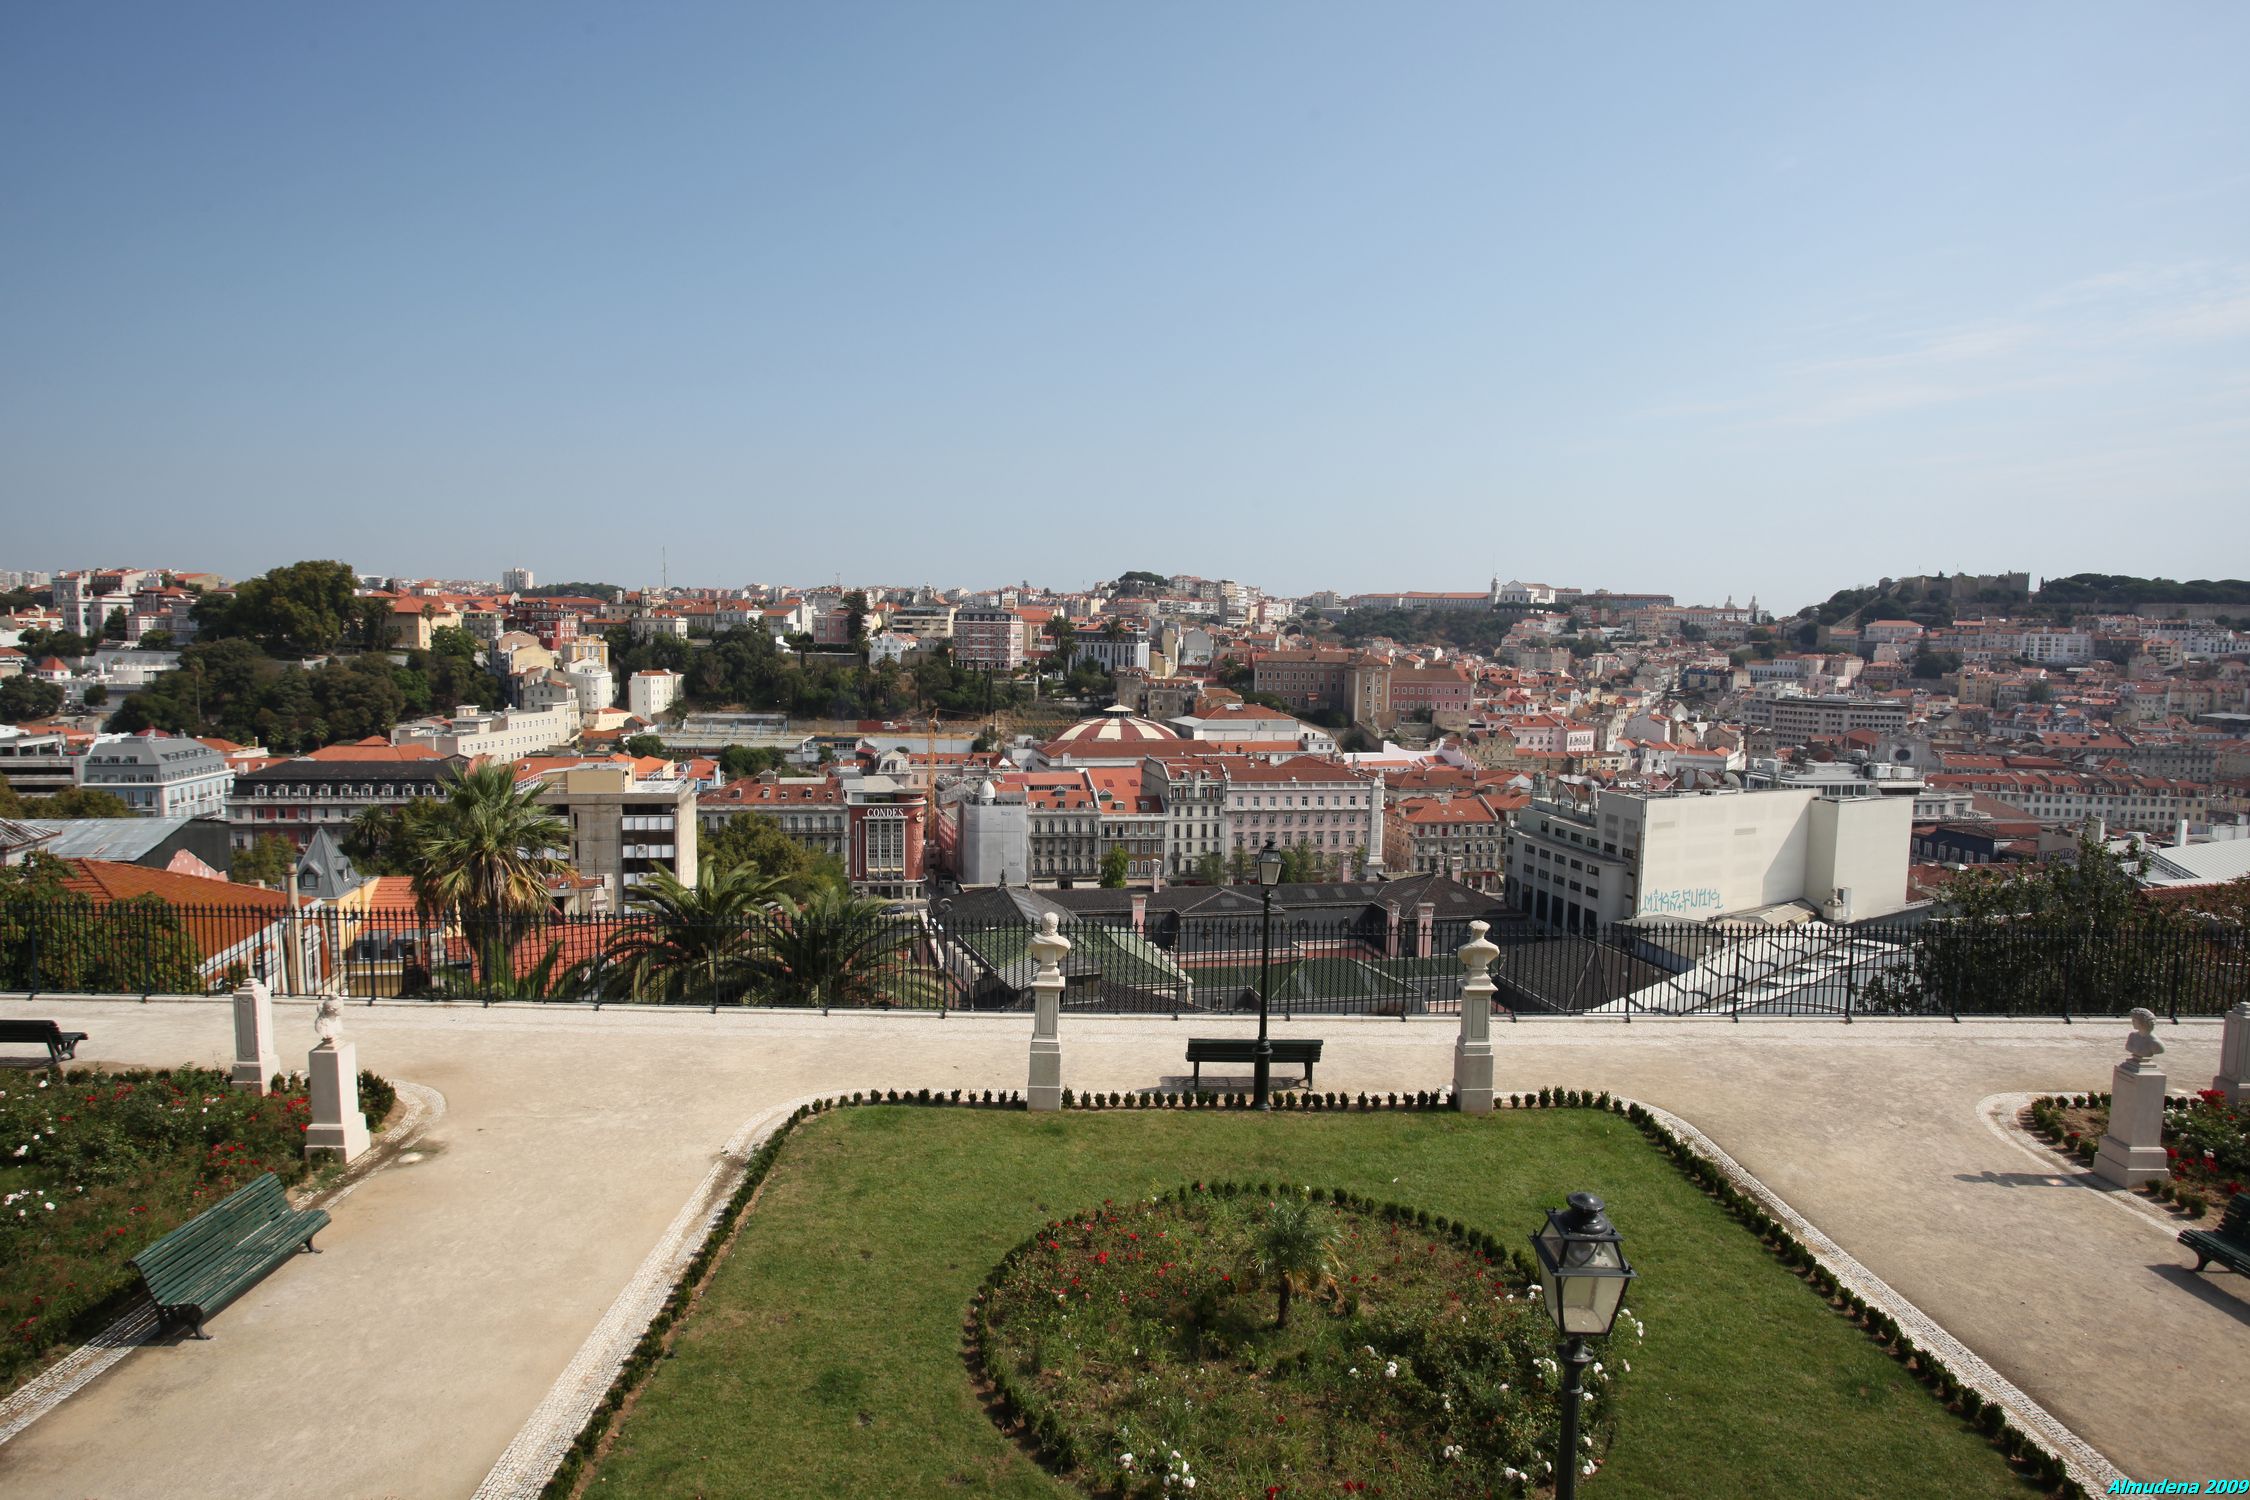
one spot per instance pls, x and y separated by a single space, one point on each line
1114 737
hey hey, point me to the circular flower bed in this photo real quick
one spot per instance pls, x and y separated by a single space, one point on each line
1239 1340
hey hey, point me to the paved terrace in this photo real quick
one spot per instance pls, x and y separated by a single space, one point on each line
456 1288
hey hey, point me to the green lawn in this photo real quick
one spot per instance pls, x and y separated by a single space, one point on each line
826 1360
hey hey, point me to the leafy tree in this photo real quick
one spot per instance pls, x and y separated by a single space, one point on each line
306 607
1141 584
27 698
96 695
54 938
382 840
63 643
739 761
645 744
1116 865
1242 866
272 860
77 802
1293 1251
1690 631
855 620
156 640
756 845
1930 664
1211 869
1302 864
2039 692
1065 636
2067 934
703 940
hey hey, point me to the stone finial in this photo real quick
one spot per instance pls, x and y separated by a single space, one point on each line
1048 946
2141 1043
328 1020
1479 951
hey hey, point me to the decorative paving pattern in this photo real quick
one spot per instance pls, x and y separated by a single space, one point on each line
138 1324
2085 1463
539 1446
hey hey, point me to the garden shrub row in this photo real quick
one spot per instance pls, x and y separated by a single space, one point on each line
1986 1417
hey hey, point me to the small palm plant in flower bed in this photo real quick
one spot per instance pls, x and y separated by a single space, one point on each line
94 1167
1229 1340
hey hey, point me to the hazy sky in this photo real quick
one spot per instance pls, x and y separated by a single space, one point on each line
1709 298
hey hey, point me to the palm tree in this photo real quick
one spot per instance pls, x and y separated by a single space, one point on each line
702 937
835 948
1294 1250
486 852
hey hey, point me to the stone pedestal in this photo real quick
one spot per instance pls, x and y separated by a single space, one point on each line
2132 1152
1472 1049
1044 1091
2233 1077
255 1061
337 1124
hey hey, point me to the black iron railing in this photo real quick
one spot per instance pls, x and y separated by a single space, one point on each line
1318 965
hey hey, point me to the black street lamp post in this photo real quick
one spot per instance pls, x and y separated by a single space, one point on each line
1269 876
1583 1270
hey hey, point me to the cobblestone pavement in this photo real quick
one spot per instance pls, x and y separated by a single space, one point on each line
456 1288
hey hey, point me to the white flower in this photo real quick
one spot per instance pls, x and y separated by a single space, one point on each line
1355 1372
1189 1482
1589 1469
48 1206
1125 1462
1628 1364
23 1150
1390 1371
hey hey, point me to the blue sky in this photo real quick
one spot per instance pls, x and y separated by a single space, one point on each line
1733 298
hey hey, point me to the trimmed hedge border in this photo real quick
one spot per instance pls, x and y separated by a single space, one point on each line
2025 1454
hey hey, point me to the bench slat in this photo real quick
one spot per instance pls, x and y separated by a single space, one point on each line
207 1262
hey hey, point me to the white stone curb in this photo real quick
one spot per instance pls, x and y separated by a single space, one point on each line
540 1444
78 1369
2084 1463
1999 1112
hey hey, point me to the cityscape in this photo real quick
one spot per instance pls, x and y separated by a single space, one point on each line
1158 730
1444 752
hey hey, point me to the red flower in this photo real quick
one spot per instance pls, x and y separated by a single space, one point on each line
1101 1257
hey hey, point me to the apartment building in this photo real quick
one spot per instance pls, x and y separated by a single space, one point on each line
649 693
1795 720
1695 856
988 639
1461 836
159 775
623 829
1335 808
472 732
2141 804
294 798
1309 681
36 764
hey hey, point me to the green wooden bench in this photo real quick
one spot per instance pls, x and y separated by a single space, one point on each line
222 1252
61 1045
2229 1244
1203 1049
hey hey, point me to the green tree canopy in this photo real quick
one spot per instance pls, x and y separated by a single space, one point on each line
756 845
272 861
306 607
24 698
